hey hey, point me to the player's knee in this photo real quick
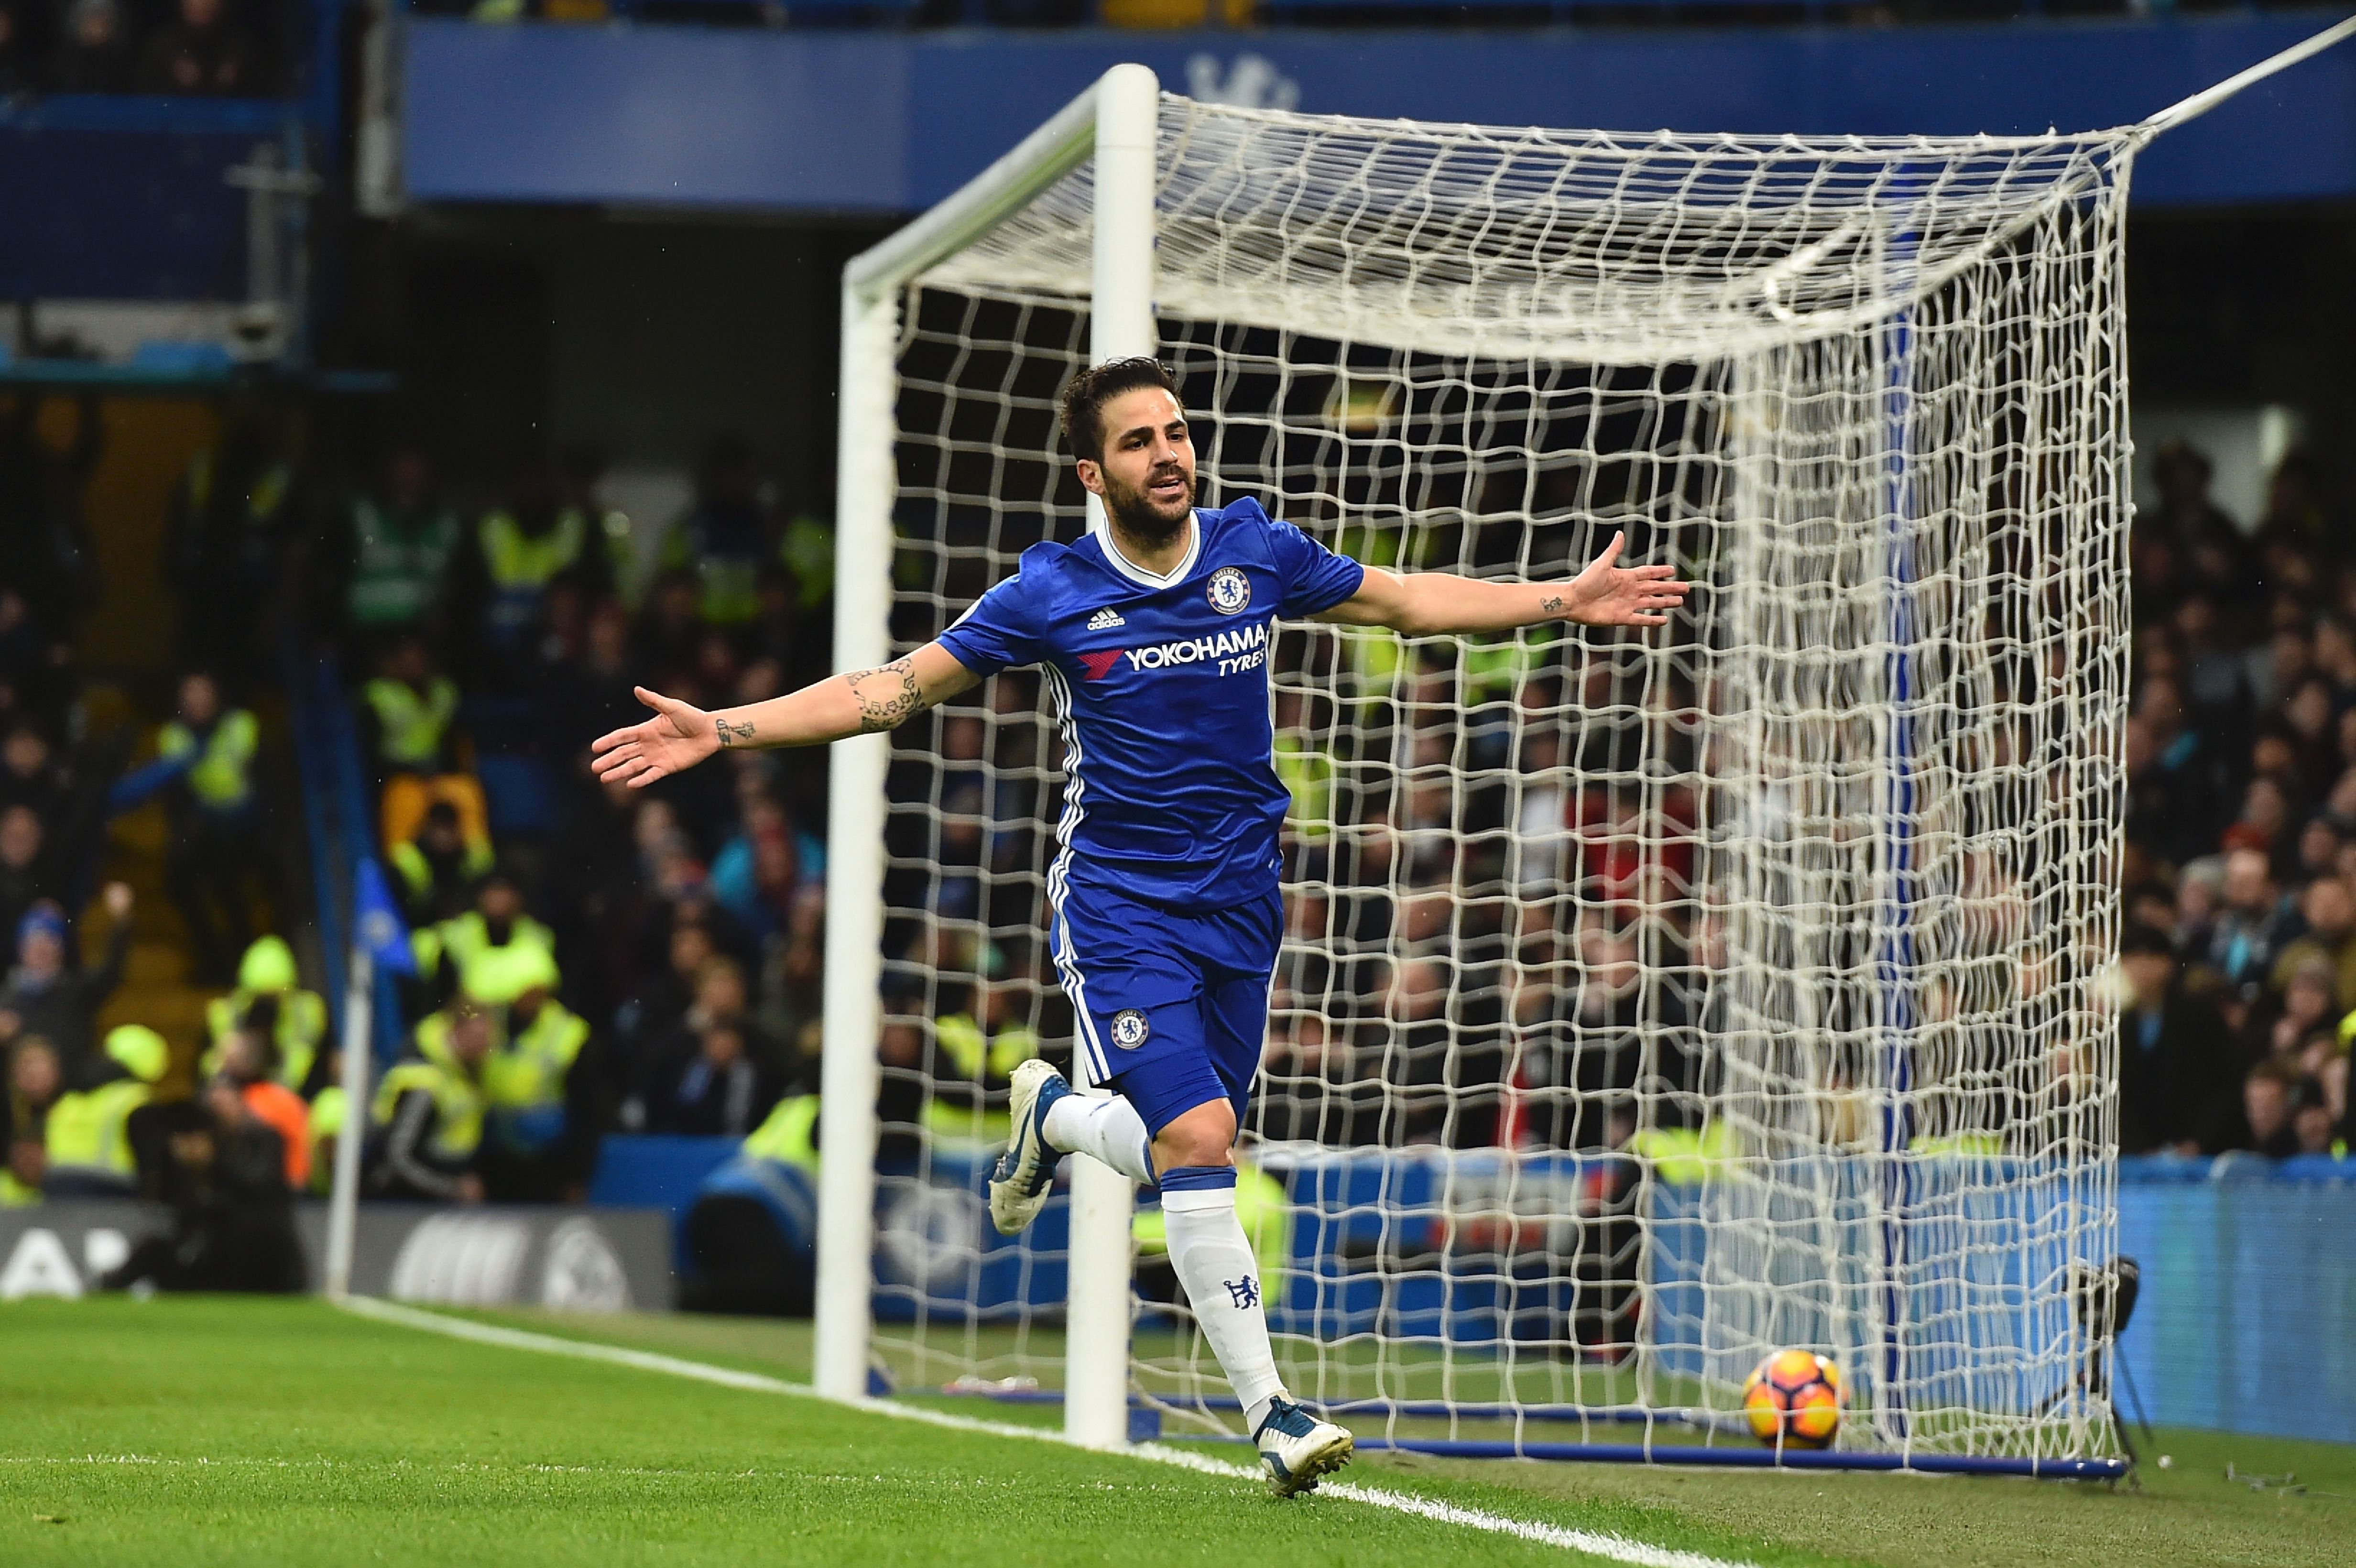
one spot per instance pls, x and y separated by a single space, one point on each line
1203 1136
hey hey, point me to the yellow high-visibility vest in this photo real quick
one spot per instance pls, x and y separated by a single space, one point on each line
529 1071
789 1133
90 1131
972 1055
458 1103
302 1024
497 973
220 777
412 727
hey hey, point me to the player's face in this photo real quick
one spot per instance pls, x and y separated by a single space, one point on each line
1147 474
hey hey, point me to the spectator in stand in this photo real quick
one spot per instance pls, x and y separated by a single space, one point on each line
36 1080
2177 1071
44 997
2270 1097
31 774
2294 520
97 54
250 1061
723 1092
201 55
216 834
2182 782
2310 1002
2253 925
2330 915
755 874
25 874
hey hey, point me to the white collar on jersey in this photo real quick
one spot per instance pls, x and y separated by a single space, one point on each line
1136 573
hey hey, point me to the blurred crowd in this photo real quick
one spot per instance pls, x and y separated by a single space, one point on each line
2240 950
586 958
181 48
590 959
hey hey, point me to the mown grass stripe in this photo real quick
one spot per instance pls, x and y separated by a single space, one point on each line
1594 1543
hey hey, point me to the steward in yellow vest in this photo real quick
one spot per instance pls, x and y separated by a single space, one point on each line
268 997
411 710
493 953
427 1116
974 1056
524 548
541 1135
88 1134
437 865
789 1136
217 748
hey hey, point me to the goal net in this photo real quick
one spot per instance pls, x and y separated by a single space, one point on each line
1648 1002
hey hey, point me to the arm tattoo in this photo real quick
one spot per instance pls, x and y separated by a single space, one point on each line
886 696
1551 605
734 734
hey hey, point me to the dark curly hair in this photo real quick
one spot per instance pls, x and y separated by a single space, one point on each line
1091 389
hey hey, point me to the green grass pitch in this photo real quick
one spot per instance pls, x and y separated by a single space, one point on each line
197 1432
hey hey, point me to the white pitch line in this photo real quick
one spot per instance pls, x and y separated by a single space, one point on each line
1595 1543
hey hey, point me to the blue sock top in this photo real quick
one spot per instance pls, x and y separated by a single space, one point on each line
1197 1178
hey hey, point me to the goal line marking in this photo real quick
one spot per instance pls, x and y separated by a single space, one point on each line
1595 1543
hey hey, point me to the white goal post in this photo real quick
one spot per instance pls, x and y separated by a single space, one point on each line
1648 1003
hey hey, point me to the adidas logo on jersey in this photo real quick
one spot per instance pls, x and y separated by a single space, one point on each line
1103 619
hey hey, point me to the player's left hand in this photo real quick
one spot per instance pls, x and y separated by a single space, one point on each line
1609 594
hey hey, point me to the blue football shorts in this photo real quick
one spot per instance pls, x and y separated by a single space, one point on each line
1169 1008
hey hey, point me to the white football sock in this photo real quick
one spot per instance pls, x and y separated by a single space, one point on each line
1106 1128
1214 1262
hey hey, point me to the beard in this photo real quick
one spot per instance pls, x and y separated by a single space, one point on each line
1139 516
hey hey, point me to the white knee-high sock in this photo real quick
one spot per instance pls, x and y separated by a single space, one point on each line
1214 1262
1109 1129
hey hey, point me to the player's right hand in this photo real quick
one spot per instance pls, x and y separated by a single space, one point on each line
678 737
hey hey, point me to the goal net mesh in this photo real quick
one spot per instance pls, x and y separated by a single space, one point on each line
1648 1002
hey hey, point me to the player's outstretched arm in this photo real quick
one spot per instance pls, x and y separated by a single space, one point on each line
680 734
1424 603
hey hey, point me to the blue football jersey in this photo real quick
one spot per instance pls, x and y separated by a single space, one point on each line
1160 685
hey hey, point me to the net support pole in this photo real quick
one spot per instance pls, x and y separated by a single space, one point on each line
344 1198
850 1070
866 484
1121 324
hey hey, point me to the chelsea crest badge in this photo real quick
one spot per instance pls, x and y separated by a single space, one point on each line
1229 591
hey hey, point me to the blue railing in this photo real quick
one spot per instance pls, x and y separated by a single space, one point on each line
340 828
